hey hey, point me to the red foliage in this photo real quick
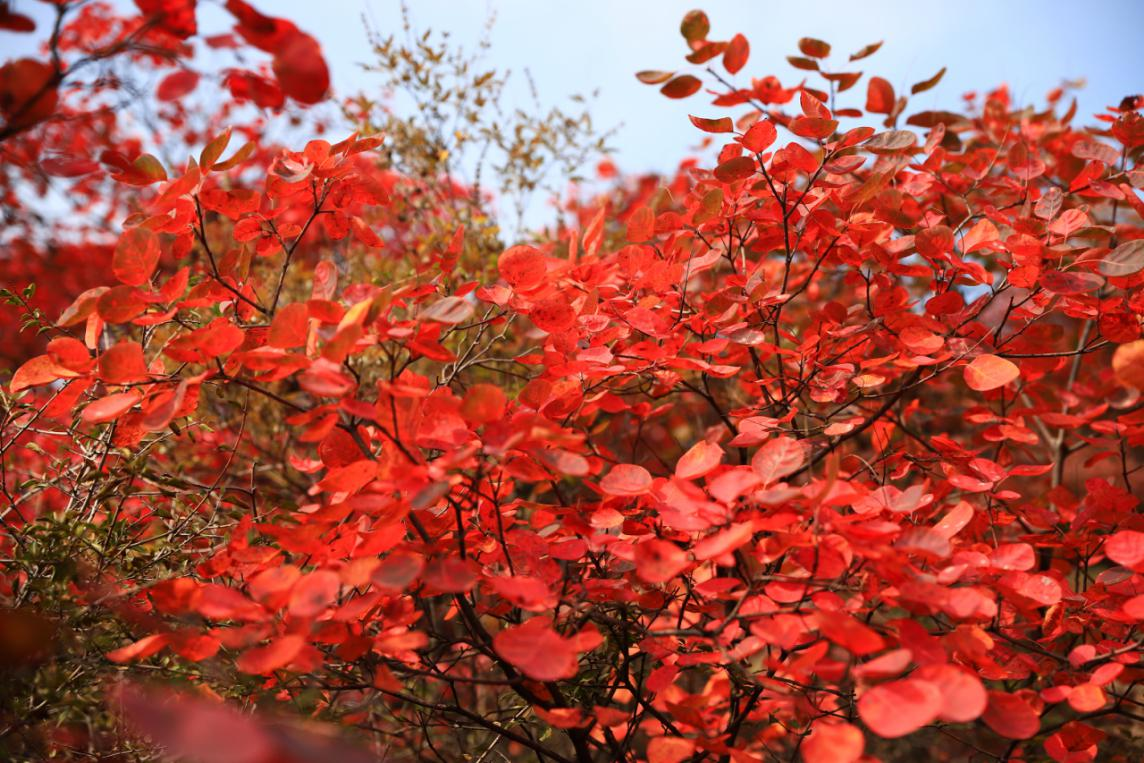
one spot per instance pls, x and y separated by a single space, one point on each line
836 440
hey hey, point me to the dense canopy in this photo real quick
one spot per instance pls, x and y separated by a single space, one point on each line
826 450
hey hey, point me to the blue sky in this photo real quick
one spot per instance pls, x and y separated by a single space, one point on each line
591 45
587 45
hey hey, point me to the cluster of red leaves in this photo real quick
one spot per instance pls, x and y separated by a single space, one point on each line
834 439
71 97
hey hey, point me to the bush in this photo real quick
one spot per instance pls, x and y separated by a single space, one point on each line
826 451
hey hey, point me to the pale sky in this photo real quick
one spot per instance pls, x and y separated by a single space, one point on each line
589 45
586 45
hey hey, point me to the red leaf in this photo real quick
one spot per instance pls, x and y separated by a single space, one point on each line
658 561
1134 608
759 136
450 575
273 582
451 310
641 224
1011 716
963 696
898 708
39 370
553 315
26 92
723 542
626 480
63 166
703 458
681 87
814 128
483 404
177 84
887 665
1013 556
15 22
777 458
537 650
523 267
123 363
833 742
314 593
300 68
1126 548
136 256
855 637
736 54
397 572
276 655
110 407
249 86
1087 697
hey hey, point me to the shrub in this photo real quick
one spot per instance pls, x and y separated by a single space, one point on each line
827 450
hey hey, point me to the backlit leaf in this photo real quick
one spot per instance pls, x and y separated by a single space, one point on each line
987 372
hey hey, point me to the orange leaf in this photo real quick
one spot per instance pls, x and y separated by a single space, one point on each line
988 372
732 170
695 26
1128 364
869 50
141 649
37 371
924 85
669 749
814 48
290 326
723 124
